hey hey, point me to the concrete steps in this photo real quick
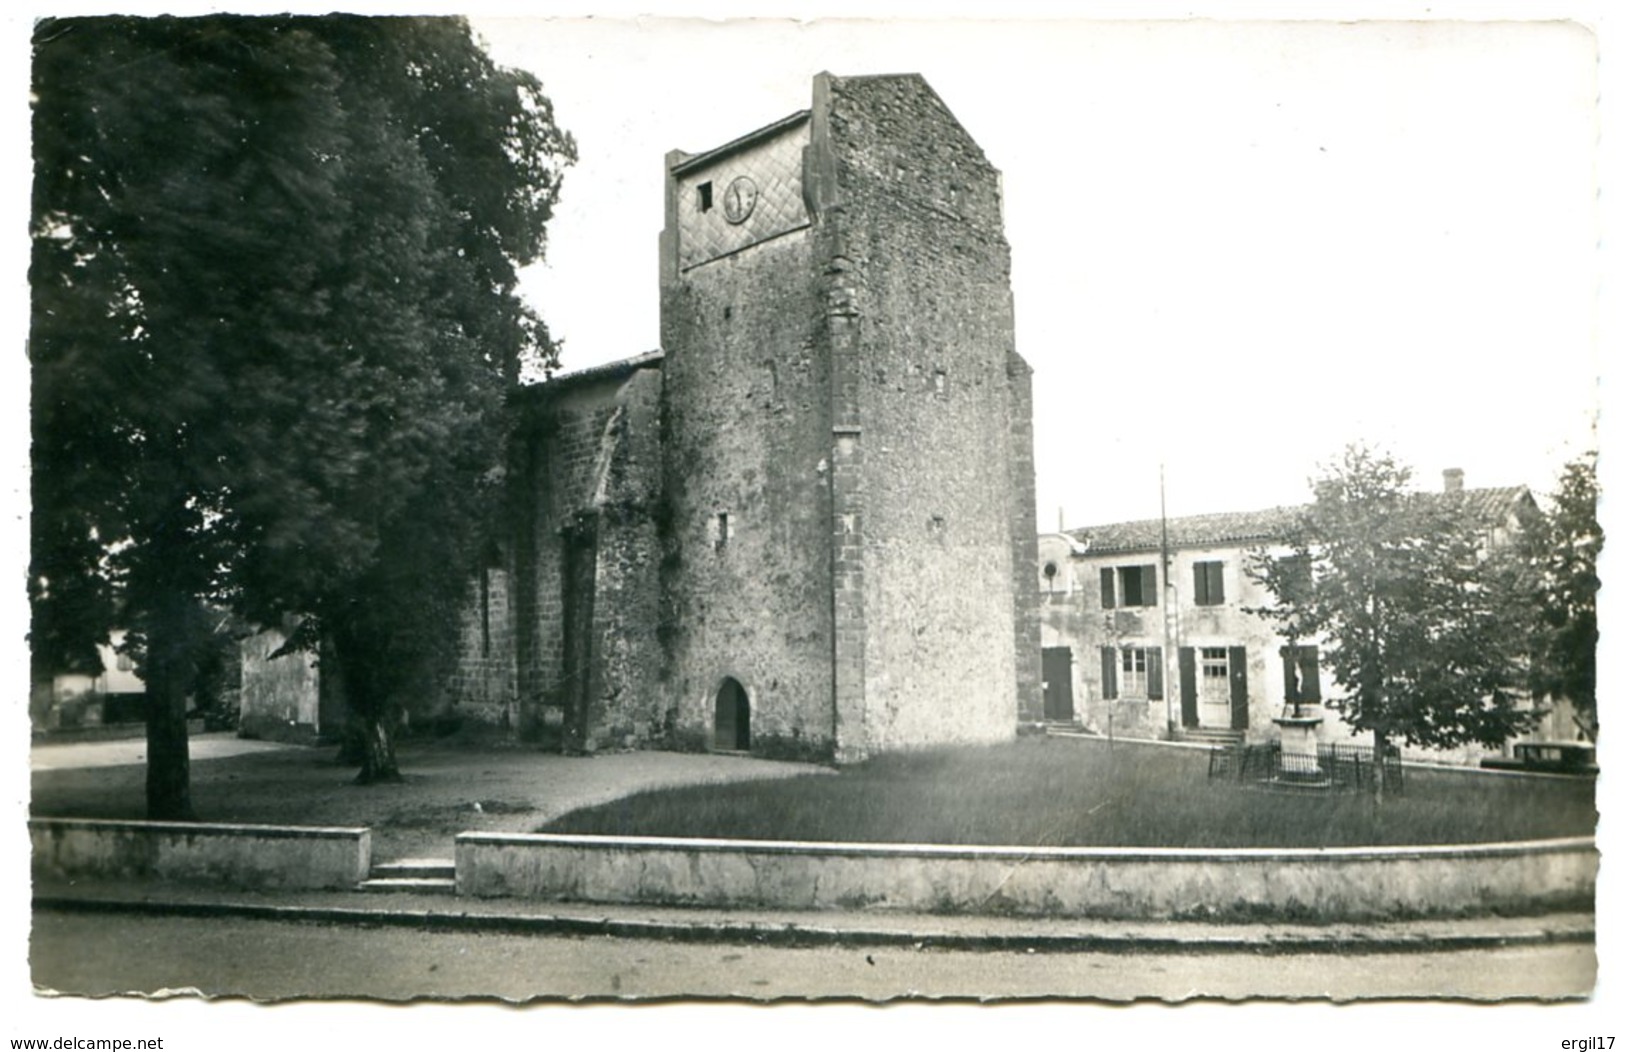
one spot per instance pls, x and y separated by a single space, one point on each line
1211 735
421 875
1055 727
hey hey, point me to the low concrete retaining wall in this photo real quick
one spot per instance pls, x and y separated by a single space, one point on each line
242 856
1138 883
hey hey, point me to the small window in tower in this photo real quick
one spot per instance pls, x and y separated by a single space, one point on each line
939 383
704 197
721 530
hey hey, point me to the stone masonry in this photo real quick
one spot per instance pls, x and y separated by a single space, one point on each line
805 527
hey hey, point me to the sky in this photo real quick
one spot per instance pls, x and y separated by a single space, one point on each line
1237 246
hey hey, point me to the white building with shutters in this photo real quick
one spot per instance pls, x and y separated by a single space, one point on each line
1146 631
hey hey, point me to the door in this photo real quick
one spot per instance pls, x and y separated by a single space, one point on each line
1213 687
1238 688
1188 716
1058 683
732 727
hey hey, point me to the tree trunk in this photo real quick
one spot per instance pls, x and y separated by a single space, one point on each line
377 750
1379 750
367 740
169 773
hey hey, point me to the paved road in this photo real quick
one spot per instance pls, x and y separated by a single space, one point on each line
102 954
127 751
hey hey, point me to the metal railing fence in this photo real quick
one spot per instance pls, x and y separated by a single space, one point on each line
1338 766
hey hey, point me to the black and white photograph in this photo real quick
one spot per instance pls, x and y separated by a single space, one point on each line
867 525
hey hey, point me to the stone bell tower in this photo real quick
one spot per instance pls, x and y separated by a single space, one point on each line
848 518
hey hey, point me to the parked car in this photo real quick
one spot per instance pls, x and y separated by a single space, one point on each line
1549 757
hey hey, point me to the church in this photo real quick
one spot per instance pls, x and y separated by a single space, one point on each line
804 527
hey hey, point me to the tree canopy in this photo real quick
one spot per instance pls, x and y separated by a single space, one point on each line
1562 550
1421 619
274 320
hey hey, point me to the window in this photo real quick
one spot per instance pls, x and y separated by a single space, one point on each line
703 197
1131 672
1216 664
1209 583
721 530
1128 586
1133 683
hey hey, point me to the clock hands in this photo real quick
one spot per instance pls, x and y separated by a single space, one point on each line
739 200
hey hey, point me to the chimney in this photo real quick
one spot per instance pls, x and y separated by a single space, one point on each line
1453 480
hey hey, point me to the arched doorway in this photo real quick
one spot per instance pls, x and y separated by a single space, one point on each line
732 717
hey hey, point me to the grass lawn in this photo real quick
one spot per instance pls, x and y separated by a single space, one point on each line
1081 792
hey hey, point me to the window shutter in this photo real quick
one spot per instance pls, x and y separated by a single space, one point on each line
1148 582
1238 688
1209 583
1108 589
1309 664
1289 674
1108 672
1153 673
1187 686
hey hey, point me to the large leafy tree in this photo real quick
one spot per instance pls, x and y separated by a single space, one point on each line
273 322
1422 622
1562 550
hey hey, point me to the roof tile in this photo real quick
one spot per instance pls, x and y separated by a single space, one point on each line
1495 503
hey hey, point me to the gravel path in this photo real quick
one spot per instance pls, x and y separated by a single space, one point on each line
447 788
51 756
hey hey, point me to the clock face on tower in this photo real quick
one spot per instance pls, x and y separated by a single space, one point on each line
739 200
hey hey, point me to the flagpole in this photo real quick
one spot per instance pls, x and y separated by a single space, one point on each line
1168 595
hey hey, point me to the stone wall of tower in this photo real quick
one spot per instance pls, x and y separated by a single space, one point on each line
1024 545
746 567
848 433
915 230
